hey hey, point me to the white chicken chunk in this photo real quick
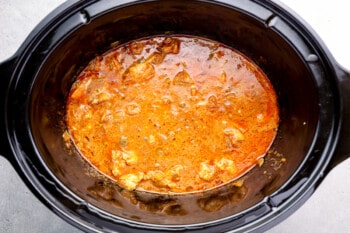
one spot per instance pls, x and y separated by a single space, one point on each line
130 181
138 72
225 164
206 171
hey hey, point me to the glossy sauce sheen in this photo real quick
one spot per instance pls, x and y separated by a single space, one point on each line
172 114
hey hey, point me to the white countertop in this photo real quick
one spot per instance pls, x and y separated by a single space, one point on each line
327 210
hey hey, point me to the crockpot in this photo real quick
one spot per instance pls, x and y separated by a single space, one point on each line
312 94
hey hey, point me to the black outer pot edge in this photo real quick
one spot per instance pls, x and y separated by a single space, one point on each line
8 67
342 151
7 151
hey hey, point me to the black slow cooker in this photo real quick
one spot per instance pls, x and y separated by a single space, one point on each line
312 94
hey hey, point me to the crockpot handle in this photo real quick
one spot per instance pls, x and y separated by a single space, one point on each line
6 71
343 148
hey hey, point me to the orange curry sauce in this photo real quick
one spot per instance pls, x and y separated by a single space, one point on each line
172 114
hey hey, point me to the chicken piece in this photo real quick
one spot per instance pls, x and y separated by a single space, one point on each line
130 181
160 179
156 58
156 175
233 136
138 72
183 79
174 172
130 157
225 164
120 159
170 45
235 132
136 47
126 157
112 62
116 156
116 171
98 91
206 171
117 163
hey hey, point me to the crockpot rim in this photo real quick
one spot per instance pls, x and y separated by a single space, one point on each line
30 43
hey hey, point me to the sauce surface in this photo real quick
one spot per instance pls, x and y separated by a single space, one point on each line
172 114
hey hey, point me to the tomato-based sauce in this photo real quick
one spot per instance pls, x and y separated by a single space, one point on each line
172 114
